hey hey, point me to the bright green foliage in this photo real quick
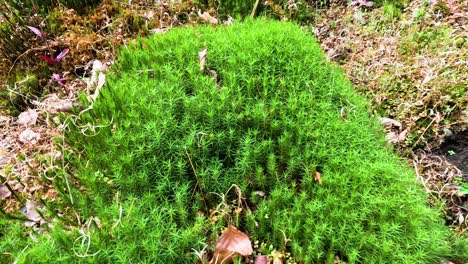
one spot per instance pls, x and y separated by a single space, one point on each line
299 11
39 6
278 112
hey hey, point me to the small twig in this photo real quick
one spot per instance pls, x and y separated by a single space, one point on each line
420 178
193 169
22 251
254 8
196 176
417 141
130 209
120 212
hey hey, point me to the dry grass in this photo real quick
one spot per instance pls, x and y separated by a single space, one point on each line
27 166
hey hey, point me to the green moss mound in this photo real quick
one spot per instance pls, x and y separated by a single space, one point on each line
277 112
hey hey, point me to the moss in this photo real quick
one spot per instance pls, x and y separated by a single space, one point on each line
17 96
170 141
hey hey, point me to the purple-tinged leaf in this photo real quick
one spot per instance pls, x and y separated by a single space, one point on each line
36 31
58 79
47 58
61 55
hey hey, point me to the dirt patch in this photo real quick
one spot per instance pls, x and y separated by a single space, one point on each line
455 149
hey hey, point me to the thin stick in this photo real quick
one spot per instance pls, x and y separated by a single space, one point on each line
196 176
254 8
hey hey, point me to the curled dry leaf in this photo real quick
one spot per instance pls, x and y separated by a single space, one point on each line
261 260
206 17
231 243
67 106
260 193
389 123
36 31
28 118
29 136
395 137
98 78
4 192
317 176
362 3
202 58
30 212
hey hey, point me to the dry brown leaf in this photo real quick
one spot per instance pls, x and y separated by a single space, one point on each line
261 260
30 211
317 177
231 243
29 136
206 17
4 192
395 137
28 118
67 106
202 58
388 122
362 3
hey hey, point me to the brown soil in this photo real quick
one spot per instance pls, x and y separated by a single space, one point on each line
455 149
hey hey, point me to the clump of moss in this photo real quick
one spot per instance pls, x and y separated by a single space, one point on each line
170 138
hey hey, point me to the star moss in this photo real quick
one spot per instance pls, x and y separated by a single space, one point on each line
171 138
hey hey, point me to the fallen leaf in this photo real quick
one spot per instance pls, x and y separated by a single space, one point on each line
36 31
388 122
30 211
231 243
200 213
261 260
4 192
260 193
317 177
29 136
364 3
397 137
202 58
67 106
206 17
61 55
28 118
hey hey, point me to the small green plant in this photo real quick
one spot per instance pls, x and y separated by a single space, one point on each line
463 185
391 11
164 140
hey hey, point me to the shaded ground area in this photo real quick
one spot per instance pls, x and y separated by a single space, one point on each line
455 149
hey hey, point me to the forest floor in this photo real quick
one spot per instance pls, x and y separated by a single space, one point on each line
410 62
